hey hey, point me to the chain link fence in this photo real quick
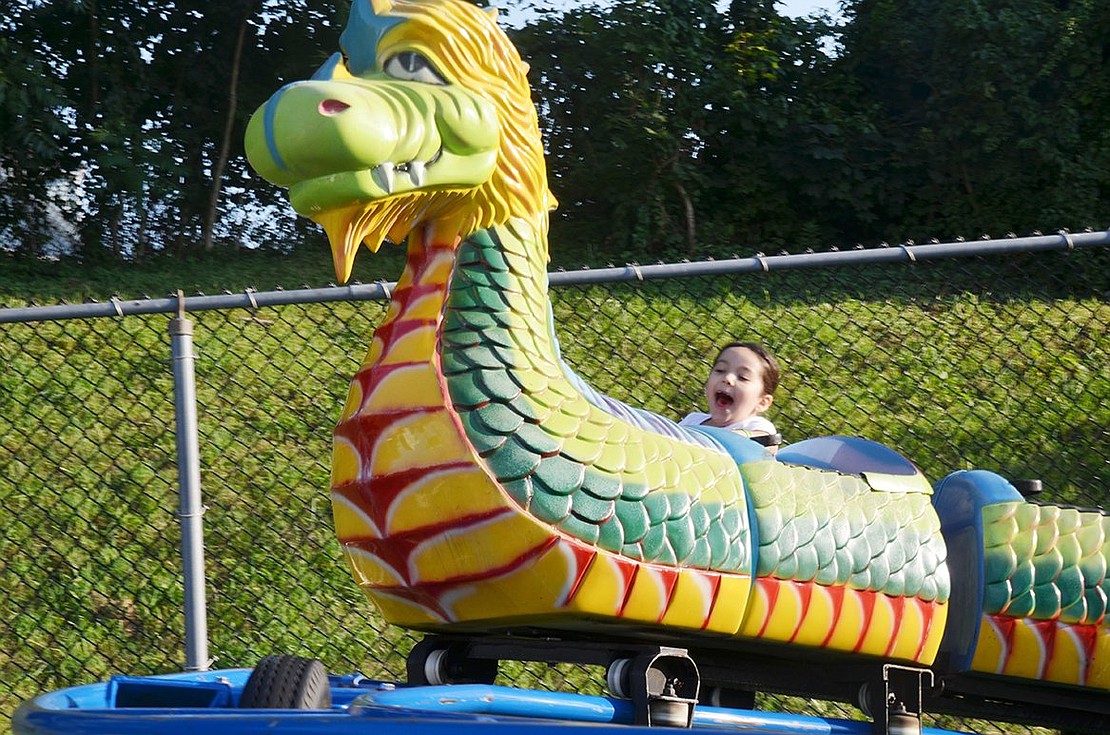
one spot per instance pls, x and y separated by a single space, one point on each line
997 362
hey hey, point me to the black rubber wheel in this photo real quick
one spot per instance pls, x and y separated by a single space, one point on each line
287 682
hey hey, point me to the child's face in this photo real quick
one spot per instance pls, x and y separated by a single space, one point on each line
735 387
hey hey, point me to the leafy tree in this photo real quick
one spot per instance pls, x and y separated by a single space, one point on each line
33 145
145 104
674 128
780 140
625 98
988 112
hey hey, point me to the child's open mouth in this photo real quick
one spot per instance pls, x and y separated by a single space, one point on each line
723 400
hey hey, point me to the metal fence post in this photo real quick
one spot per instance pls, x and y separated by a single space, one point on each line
191 511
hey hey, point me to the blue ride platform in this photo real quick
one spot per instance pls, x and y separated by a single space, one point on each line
209 702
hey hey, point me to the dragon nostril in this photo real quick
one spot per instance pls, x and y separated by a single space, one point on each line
332 107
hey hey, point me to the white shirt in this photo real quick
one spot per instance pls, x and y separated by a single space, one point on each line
757 424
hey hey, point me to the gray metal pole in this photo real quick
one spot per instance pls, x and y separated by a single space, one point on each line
251 299
190 510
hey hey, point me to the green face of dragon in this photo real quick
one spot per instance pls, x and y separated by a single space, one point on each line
404 128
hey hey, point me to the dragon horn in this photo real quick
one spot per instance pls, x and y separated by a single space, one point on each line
369 21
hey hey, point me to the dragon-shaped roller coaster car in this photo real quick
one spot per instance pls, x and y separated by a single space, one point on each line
479 485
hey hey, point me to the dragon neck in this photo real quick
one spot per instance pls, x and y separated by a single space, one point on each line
403 368
498 296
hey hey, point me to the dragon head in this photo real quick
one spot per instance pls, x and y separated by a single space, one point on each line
424 119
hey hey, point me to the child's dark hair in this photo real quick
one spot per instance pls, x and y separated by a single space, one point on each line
770 364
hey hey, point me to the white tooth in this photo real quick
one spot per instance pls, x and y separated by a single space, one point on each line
416 173
383 174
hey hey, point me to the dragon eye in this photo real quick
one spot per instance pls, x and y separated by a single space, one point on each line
411 66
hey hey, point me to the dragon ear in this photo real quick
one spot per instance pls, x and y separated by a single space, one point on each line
369 21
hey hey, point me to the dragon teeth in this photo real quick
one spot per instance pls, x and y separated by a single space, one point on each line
417 172
383 175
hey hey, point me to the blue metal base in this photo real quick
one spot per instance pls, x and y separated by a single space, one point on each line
206 702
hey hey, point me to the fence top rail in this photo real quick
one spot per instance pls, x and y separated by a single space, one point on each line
251 299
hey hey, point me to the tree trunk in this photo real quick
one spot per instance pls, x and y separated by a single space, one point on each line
140 246
114 232
92 100
92 50
965 179
225 144
691 223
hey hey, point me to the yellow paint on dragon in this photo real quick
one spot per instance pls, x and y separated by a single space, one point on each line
428 531
1046 650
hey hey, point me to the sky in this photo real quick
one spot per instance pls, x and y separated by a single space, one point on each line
798 8
795 8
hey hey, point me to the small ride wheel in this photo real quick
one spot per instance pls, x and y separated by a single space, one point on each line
435 662
719 696
287 682
893 702
663 685
616 677
670 713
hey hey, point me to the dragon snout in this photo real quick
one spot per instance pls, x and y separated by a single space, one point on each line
335 142
317 128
